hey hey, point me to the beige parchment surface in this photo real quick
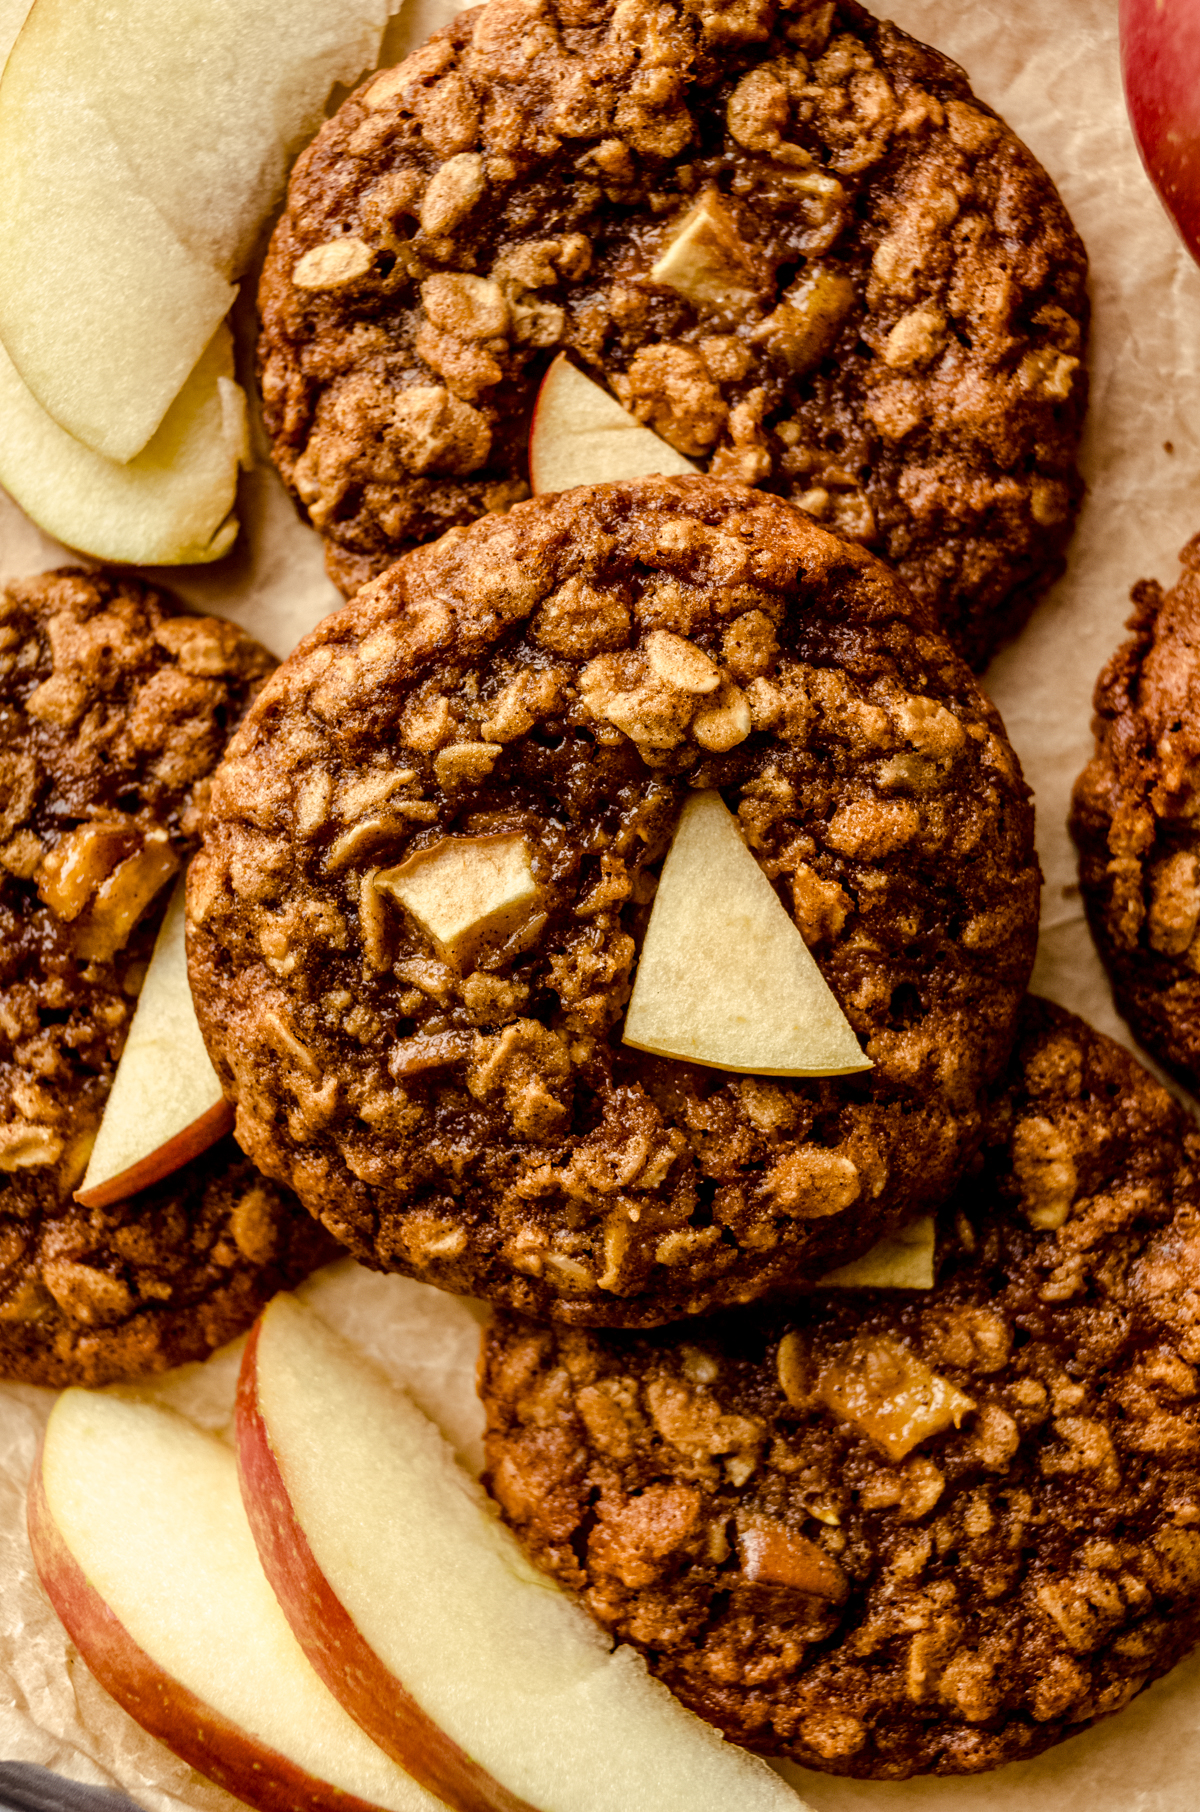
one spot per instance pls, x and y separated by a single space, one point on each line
1050 66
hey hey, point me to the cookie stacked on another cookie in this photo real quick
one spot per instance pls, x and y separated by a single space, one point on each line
114 710
531 700
886 1534
790 239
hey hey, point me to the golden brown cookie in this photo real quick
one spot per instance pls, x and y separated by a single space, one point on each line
114 708
547 688
790 239
887 1533
1134 816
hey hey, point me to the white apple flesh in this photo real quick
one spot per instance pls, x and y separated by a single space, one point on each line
418 1609
581 435
724 977
142 1545
170 506
166 1104
141 150
903 1261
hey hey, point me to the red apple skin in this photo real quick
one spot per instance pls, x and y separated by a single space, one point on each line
189 1727
351 1670
1160 61
164 1161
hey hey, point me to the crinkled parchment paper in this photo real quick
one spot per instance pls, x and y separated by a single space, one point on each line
1050 67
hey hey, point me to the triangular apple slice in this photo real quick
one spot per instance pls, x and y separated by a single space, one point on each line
581 435
418 1609
903 1261
141 1542
724 976
166 1105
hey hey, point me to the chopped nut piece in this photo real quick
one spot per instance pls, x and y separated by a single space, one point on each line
773 1555
891 1394
466 893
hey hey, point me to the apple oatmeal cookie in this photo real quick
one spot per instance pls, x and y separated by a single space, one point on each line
788 236
114 709
888 1533
431 856
1134 818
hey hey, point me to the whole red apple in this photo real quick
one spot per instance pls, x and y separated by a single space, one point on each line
1160 62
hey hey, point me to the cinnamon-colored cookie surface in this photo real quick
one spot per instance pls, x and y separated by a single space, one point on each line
791 240
544 690
887 1533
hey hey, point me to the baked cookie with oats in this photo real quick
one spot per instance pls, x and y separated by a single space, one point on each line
114 709
787 236
889 1533
431 857
1134 817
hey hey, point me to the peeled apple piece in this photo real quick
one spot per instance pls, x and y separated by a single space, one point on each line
724 977
168 507
581 435
142 148
419 1610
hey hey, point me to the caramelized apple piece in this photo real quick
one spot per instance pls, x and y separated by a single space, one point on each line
466 893
79 863
773 1555
803 328
892 1395
121 900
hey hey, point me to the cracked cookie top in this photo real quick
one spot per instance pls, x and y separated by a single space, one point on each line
886 1533
114 709
1134 818
431 857
788 237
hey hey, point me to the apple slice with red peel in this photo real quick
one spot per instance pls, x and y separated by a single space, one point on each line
581 435
166 1105
417 1607
1160 61
141 1542
724 977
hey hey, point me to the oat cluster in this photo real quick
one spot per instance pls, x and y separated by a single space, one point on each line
887 1534
788 237
1134 817
553 681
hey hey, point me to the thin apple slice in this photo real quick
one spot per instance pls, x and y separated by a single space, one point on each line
142 1545
581 435
419 1610
166 1105
141 150
904 1261
169 506
724 977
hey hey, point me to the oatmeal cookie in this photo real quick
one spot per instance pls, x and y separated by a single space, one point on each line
114 709
891 1533
1134 816
789 237
531 698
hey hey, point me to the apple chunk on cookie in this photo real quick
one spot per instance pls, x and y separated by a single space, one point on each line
467 894
725 978
166 1105
582 435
